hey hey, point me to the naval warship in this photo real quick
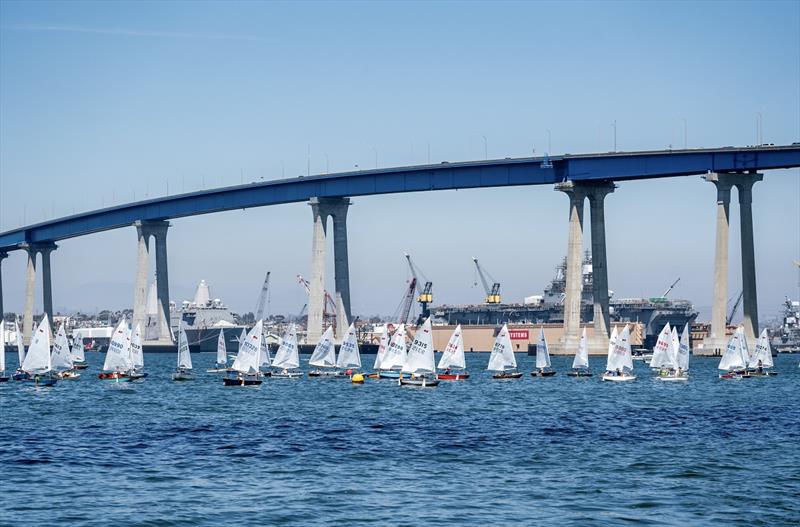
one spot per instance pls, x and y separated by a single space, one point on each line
653 312
786 338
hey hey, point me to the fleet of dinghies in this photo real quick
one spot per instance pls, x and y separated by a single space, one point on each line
409 364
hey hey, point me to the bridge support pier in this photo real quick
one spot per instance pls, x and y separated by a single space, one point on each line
321 208
568 343
597 193
578 192
32 249
3 256
158 230
717 340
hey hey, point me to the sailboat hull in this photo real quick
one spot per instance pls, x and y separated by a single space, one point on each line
325 373
69 376
510 375
393 375
114 376
286 375
40 381
672 378
4 379
419 382
183 376
547 373
453 376
80 366
619 378
233 381
579 374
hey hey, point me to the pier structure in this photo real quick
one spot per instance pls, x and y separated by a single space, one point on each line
591 176
32 250
724 182
321 209
578 192
158 231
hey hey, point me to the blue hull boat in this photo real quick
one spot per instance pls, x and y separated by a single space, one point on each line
393 375
40 381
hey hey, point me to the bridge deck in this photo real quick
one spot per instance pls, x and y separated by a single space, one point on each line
444 176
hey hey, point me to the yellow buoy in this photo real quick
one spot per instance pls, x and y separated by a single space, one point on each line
357 378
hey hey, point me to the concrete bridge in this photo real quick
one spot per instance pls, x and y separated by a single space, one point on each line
591 176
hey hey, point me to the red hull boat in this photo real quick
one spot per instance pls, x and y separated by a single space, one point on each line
453 376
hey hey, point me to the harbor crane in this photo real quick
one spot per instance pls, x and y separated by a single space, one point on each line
425 292
403 310
670 288
493 292
328 307
736 304
262 298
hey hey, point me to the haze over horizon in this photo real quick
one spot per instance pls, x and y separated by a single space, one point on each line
102 104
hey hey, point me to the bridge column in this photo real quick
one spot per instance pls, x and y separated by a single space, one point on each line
341 266
30 293
572 299
3 256
47 281
597 193
158 230
716 342
744 186
316 285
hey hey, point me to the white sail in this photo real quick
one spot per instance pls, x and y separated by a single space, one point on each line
502 357
763 354
395 355
324 354
118 354
137 353
349 356
620 356
683 349
287 355
384 343
222 352
733 359
242 336
38 358
61 358
581 360
744 348
542 353
77 348
453 356
263 350
661 351
247 360
184 355
675 347
20 344
420 354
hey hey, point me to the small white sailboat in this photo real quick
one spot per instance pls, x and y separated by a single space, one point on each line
221 365
78 357
580 364
184 370
137 372
662 352
543 368
680 357
323 358
502 358
383 345
619 367
349 359
246 363
733 361
761 362
264 359
453 361
118 365
19 374
420 363
61 357
395 356
287 358
38 361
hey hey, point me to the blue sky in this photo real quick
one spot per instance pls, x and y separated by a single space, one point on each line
104 102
